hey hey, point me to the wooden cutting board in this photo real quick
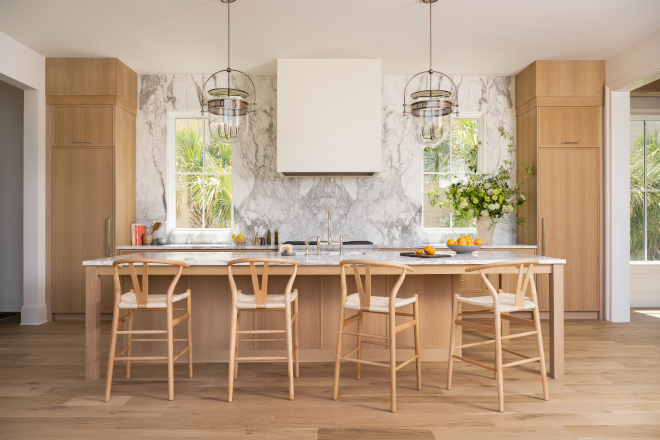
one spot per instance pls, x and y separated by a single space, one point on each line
414 254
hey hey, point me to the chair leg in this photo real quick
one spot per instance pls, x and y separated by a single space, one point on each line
335 389
189 330
170 352
498 361
111 356
238 328
539 343
296 334
232 353
129 344
452 341
289 348
417 345
359 342
392 332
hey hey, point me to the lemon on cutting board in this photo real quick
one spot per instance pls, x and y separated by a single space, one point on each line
429 250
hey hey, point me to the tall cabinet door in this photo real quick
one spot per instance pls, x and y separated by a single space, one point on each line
568 188
82 205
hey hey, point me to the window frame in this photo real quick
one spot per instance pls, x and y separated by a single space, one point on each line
172 116
645 190
481 165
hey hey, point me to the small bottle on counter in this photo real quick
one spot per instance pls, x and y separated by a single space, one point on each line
256 241
262 241
268 239
277 238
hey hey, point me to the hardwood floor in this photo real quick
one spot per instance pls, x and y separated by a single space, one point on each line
611 391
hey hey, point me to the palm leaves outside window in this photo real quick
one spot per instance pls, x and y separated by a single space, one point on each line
203 177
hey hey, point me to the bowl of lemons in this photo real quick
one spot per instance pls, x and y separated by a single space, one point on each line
464 245
238 239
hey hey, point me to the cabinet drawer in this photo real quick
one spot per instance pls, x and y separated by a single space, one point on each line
569 127
83 125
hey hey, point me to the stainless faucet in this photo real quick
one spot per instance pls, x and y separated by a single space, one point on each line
329 242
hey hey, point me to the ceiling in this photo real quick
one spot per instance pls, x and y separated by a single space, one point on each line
470 36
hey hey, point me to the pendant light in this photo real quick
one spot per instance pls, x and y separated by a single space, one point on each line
228 108
431 107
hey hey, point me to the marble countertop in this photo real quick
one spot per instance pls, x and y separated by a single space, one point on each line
444 246
193 247
232 247
328 259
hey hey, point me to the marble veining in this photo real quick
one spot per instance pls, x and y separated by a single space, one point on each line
385 209
222 258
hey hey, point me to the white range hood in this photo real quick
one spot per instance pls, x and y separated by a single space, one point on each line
328 117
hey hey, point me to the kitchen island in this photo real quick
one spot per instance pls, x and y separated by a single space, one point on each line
434 281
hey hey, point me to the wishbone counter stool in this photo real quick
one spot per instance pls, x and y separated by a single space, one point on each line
261 301
499 303
364 302
139 300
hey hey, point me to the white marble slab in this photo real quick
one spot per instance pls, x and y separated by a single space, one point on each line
385 209
221 258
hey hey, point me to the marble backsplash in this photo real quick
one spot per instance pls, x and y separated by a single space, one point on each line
385 209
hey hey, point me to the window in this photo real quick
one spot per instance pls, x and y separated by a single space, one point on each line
442 163
199 188
644 188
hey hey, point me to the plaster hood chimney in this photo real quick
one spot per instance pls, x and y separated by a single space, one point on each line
328 117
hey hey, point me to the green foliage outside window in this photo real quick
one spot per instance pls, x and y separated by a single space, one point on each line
645 194
203 178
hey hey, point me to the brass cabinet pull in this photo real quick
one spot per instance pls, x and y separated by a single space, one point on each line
108 244
543 236
82 142
570 142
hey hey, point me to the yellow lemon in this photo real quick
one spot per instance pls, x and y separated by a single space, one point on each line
233 235
240 236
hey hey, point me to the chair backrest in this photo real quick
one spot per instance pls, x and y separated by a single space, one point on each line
261 289
365 292
525 278
141 293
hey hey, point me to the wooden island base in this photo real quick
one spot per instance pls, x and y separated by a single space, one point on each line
319 315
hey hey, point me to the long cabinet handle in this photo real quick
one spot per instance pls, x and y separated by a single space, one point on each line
108 244
82 142
570 142
543 237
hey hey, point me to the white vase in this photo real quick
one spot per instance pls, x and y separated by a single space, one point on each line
485 229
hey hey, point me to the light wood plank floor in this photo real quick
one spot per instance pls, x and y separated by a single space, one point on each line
611 391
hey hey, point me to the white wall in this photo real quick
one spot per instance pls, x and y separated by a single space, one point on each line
636 62
11 194
22 67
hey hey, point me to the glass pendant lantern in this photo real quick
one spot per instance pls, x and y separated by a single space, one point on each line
431 106
228 108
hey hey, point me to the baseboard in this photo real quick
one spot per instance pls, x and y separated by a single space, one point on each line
63 317
34 315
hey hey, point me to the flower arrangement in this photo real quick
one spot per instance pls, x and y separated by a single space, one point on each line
484 196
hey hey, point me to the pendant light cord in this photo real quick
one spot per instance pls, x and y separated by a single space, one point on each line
430 49
228 49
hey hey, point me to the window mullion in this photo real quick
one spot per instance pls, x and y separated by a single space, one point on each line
645 194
